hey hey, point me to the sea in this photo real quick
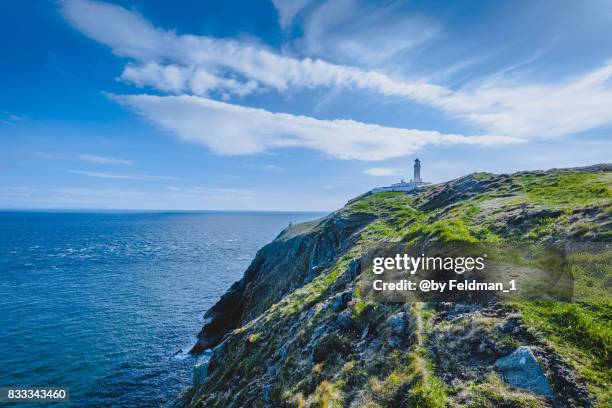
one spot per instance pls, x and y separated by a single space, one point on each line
107 304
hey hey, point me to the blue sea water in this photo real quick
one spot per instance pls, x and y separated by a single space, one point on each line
101 302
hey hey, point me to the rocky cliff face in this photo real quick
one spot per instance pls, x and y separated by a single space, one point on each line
292 260
299 330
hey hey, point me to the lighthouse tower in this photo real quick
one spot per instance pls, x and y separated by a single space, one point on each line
417 171
415 184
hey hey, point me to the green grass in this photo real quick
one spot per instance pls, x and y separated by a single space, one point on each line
254 338
328 346
428 390
381 231
409 382
568 188
542 227
379 203
353 375
450 230
493 393
481 175
327 395
366 312
592 272
580 332
398 218
312 292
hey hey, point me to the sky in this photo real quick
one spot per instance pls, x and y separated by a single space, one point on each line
291 105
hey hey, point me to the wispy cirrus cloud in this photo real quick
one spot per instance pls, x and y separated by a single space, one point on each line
229 129
132 36
198 65
288 9
366 33
93 158
178 79
9 118
138 177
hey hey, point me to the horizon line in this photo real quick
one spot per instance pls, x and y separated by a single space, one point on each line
152 210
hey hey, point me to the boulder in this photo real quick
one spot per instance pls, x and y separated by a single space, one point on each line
340 301
397 322
460 309
522 370
344 319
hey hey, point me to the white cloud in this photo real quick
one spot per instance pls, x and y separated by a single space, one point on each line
535 111
288 9
176 79
130 35
381 171
92 158
367 33
139 177
499 105
229 129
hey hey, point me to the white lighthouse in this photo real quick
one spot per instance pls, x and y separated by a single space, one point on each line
415 183
417 171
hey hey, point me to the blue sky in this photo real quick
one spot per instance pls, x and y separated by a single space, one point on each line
291 105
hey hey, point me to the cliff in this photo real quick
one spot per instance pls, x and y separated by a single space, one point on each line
299 330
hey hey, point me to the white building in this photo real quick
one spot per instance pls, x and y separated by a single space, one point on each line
413 184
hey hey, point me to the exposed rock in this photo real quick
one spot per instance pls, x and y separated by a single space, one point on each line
292 260
340 300
462 308
318 332
453 191
397 322
282 352
521 369
272 371
200 372
529 215
267 392
344 319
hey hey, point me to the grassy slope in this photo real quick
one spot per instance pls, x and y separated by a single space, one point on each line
580 332
347 370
